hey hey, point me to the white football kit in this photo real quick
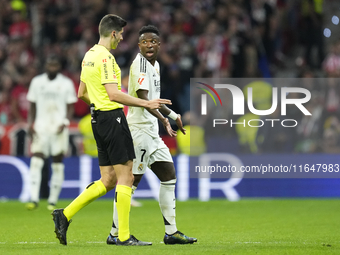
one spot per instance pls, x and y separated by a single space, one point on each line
149 147
51 98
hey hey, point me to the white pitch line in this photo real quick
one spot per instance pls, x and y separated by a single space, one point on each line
25 242
34 243
248 242
101 242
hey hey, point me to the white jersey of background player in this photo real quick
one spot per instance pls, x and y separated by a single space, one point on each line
51 97
150 150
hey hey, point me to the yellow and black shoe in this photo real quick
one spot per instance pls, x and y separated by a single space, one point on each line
178 238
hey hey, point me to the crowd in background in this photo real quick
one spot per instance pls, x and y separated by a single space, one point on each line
207 38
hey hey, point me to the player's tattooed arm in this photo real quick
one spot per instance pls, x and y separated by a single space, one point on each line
70 111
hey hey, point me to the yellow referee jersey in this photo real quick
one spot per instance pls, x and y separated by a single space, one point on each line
99 67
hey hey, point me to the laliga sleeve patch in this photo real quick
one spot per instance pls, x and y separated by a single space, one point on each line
140 81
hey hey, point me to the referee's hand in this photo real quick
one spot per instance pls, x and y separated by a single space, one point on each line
157 103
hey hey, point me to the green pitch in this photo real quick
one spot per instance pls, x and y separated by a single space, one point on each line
222 227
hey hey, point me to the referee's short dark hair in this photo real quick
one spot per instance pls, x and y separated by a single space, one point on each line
149 29
109 23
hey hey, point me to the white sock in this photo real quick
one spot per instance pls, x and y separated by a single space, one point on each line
167 203
36 166
114 229
56 182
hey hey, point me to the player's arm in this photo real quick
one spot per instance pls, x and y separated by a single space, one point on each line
117 96
31 117
70 111
143 94
83 94
176 117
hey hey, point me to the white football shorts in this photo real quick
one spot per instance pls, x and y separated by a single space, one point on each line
50 144
148 150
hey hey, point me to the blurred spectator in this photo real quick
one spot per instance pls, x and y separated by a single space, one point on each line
20 27
331 64
330 141
213 51
5 108
332 97
261 94
247 134
309 127
312 31
19 103
202 19
89 143
3 41
192 147
182 22
5 105
275 138
237 43
264 18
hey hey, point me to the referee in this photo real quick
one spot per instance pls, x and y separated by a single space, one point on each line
100 85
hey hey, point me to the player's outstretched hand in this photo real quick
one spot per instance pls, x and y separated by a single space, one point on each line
157 103
168 128
179 124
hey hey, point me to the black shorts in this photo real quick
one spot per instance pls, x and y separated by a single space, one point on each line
113 138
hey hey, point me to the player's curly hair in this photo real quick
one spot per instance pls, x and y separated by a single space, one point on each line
52 58
149 29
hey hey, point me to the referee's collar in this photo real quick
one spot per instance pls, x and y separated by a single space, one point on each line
101 46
